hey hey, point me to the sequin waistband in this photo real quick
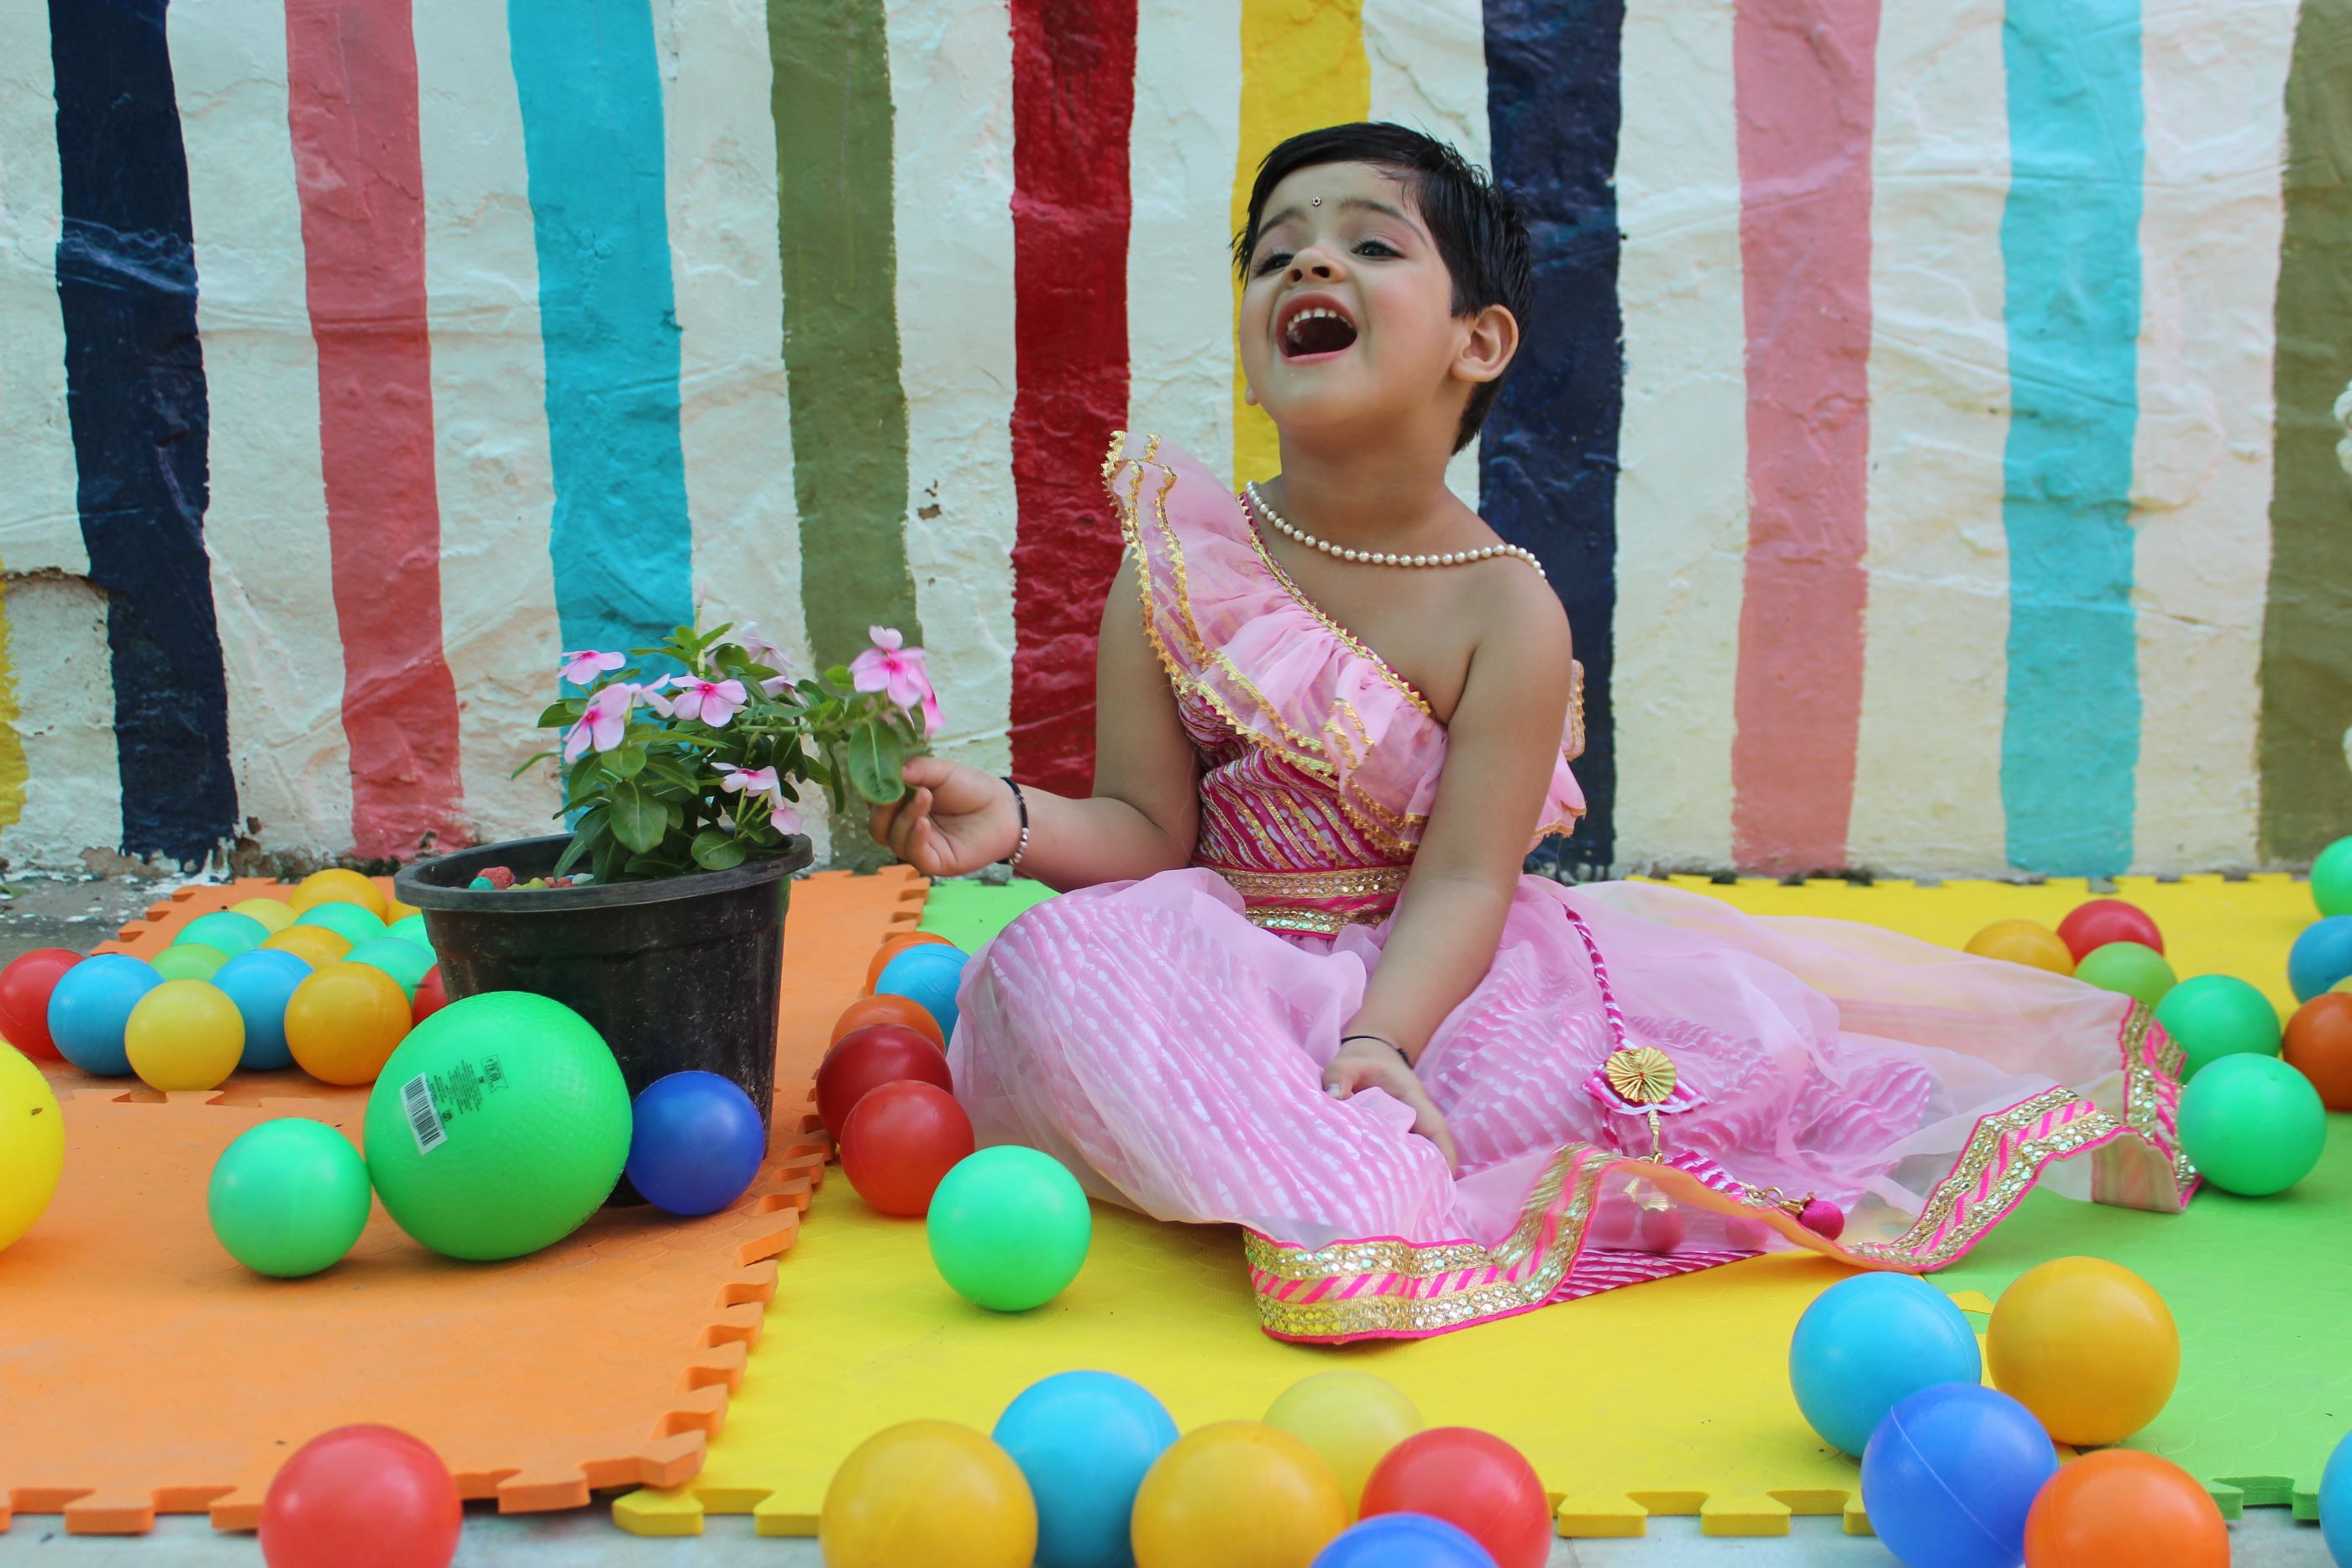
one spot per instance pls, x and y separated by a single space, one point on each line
1321 901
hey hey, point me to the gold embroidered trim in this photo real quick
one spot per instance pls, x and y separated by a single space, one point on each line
1346 882
1311 921
1355 644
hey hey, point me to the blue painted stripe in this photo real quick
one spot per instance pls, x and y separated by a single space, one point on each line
593 144
1547 457
136 401
2070 242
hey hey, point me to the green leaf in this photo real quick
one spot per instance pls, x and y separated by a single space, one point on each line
560 715
874 757
638 819
528 762
627 762
717 850
586 836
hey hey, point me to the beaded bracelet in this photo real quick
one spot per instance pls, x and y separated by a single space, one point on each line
1019 845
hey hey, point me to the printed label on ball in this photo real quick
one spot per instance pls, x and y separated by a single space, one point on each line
423 1120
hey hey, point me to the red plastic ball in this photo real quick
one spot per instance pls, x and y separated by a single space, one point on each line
899 1143
2105 920
362 1497
25 987
432 996
865 1060
1473 1479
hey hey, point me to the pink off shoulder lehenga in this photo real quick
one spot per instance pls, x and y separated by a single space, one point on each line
1646 1082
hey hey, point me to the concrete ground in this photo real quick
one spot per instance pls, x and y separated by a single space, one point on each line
71 912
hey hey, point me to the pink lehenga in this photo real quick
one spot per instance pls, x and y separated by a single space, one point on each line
1647 1082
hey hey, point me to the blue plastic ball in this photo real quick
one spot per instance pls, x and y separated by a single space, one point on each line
1951 1474
696 1143
261 983
2320 957
928 976
1404 1540
1084 1439
1869 1342
2335 1503
90 1006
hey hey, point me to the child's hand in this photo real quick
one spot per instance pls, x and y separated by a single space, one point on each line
1369 1064
952 820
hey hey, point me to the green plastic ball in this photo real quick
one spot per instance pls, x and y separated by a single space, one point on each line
348 921
188 961
1009 1229
411 928
2213 1016
232 935
498 1126
404 961
289 1197
2331 878
2129 967
2253 1124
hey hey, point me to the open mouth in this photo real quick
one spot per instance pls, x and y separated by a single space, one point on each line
1312 329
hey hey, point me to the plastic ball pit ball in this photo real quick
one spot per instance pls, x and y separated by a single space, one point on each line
1472 1480
32 1144
262 984
865 1060
370 1495
406 962
1009 1229
1404 1540
90 1006
891 947
2318 1044
183 1034
498 1127
1240 1493
867 1010
927 975
25 987
2025 942
233 934
348 921
2321 958
1951 1474
2331 878
188 961
695 1143
2122 1508
274 913
1351 1419
2213 1016
2093 925
928 1492
1869 1342
337 885
409 927
900 1143
2087 1345
1084 1440
2130 968
314 945
2253 1125
344 1020
2335 1502
431 997
289 1197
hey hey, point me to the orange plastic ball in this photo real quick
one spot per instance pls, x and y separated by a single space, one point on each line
891 947
2085 1344
337 885
343 1021
314 945
1237 1494
904 1010
2024 942
2122 1508
2319 1046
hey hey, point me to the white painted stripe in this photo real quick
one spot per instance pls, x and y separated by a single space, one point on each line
489 411
1682 491
265 528
2213 86
1935 664
1179 274
951 94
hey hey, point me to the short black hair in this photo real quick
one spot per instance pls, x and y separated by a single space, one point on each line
1480 228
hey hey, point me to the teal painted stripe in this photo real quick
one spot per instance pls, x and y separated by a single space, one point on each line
2070 242
593 144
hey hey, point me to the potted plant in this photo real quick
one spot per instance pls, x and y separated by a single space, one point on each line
659 916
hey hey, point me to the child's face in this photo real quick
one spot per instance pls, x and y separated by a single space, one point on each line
1347 320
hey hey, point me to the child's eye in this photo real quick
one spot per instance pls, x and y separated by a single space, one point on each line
1377 247
1272 261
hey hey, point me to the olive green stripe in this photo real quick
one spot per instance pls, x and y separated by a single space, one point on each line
831 102
2307 785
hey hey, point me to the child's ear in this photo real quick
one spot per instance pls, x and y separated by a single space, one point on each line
1486 350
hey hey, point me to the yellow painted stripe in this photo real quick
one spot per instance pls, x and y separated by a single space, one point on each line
1303 66
14 774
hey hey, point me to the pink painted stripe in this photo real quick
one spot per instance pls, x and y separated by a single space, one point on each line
1804 90
352 105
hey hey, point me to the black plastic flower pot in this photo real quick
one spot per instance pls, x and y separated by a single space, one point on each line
676 973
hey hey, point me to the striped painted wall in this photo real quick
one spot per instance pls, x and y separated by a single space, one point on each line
1927 419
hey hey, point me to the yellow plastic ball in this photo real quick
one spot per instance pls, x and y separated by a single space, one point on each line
2087 1345
274 913
314 945
184 1034
2024 942
32 1143
1351 1419
2343 985
1237 1494
343 1021
337 885
395 911
928 1492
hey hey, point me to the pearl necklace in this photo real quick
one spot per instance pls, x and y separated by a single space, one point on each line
1379 558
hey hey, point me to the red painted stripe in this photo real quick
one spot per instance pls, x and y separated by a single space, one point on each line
1804 85
1073 102
352 104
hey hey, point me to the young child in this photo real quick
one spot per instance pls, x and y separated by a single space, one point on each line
1296 981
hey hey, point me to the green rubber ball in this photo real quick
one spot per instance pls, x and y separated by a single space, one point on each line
348 921
289 1197
2213 1016
2331 878
410 929
188 961
404 961
232 935
1009 1229
2253 1124
2129 967
498 1126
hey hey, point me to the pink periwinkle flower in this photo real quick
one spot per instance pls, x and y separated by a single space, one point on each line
713 702
761 783
891 668
750 639
604 723
931 714
582 667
